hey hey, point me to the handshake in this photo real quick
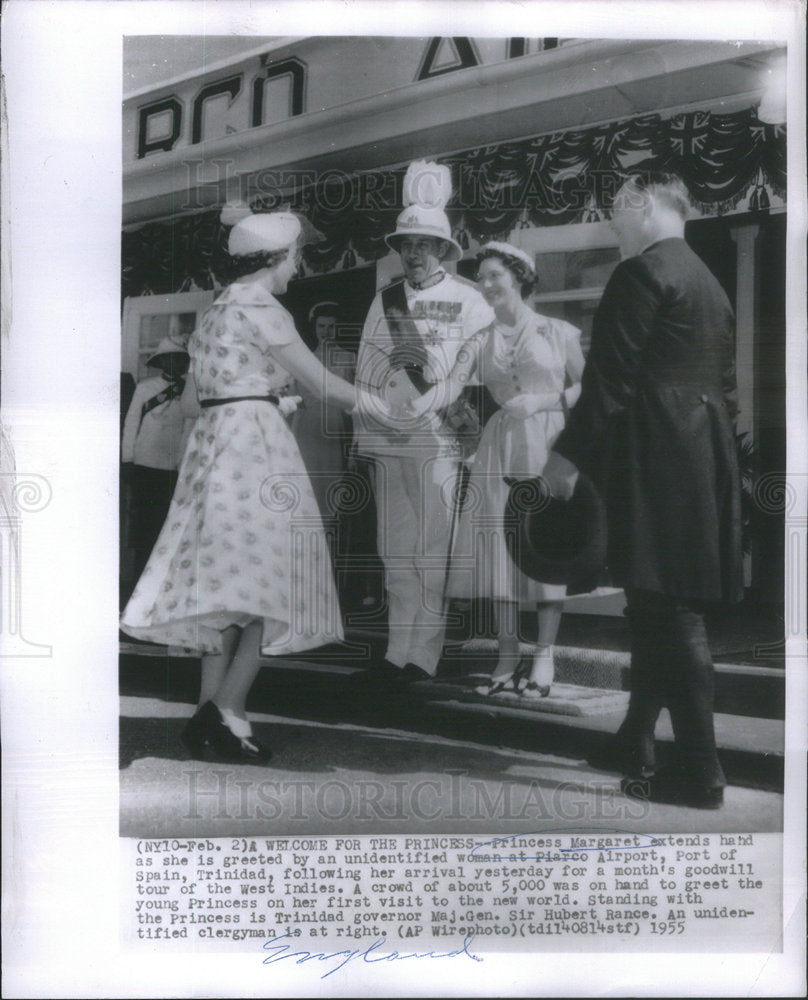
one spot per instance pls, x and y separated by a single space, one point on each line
396 417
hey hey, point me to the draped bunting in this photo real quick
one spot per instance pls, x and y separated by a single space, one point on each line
551 179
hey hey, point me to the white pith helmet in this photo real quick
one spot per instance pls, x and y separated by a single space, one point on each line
427 189
418 221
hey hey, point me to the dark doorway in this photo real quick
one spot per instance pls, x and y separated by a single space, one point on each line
352 529
352 290
763 457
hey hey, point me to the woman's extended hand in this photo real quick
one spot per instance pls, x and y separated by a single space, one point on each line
425 404
392 420
374 408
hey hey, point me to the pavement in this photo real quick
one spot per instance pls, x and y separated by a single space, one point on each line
439 760
343 778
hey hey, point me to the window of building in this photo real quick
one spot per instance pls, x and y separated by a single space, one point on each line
147 319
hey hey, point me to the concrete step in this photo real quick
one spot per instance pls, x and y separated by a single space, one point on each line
740 689
752 690
751 748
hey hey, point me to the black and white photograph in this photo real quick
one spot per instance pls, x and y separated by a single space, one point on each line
404 489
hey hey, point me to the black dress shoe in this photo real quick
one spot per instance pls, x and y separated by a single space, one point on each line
412 674
671 788
207 737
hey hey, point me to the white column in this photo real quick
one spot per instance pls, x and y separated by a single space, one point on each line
746 322
746 325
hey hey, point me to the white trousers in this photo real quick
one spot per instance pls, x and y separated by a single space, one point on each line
414 496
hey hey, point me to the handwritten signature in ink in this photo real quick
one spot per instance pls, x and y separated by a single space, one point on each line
371 955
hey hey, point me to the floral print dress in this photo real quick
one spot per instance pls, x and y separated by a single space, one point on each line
243 539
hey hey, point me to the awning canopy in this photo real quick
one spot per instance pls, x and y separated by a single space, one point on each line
550 179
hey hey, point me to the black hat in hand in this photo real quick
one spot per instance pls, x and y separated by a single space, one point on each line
556 541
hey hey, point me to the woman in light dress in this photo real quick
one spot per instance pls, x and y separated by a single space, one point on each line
531 365
241 567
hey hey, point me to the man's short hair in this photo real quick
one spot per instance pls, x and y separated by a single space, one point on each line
667 188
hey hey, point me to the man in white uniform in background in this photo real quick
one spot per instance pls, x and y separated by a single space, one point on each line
154 436
410 341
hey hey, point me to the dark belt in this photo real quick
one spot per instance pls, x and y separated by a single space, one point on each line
207 403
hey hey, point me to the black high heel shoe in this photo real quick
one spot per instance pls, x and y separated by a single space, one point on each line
207 737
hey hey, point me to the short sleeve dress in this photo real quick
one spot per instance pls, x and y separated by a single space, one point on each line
511 361
243 539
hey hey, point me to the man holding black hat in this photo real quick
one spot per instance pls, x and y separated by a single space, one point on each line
410 341
654 428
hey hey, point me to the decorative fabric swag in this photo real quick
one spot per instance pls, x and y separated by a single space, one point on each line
552 179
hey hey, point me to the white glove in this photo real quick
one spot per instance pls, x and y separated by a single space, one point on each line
420 407
560 475
572 394
288 404
523 406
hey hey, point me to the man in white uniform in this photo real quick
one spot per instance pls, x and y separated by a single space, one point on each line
410 341
154 436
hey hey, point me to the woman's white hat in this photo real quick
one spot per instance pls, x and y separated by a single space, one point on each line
264 232
510 251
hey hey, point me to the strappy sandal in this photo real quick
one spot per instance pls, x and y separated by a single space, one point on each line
533 691
530 689
500 685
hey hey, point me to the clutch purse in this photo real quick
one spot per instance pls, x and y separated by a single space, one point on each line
461 421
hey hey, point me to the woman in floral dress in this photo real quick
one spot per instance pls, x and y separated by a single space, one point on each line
241 567
532 366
